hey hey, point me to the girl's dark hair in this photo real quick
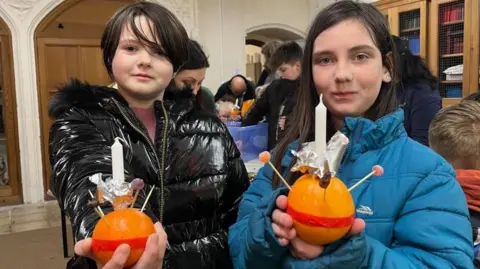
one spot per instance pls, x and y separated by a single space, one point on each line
301 125
169 34
197 59
412 68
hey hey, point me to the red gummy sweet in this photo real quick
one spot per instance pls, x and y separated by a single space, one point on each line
377 170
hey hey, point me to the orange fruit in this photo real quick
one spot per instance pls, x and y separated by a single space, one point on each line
320 216
246 106
124 226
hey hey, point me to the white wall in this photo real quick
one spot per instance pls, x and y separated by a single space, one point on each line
252 51
223 26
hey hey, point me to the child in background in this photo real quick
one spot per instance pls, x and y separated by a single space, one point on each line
277 101
455 134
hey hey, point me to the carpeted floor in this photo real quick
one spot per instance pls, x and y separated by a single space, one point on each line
38 249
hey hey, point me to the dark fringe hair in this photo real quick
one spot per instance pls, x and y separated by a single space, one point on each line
170 37
197 59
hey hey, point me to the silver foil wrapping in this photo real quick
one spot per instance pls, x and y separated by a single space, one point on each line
110 188
325 162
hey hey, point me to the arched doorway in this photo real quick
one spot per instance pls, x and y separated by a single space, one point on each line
10 183
67 43
257 36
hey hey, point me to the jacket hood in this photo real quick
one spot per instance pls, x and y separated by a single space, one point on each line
76 93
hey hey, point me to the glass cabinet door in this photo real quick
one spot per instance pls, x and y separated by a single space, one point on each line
451 32
409 23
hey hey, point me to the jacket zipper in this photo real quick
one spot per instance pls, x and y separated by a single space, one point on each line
356 138
164 144
160 167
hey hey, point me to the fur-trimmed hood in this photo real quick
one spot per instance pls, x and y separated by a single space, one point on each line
76 93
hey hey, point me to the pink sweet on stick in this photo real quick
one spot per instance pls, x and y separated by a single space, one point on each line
265 157
137 185
377 170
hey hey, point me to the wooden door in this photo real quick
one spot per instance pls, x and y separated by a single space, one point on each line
60 59
10 183
68 46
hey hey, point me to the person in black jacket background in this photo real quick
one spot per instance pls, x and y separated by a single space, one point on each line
238 87
417 92
192 73
182 152
278 100
207 175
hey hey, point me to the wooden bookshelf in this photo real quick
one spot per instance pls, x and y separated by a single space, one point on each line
454 40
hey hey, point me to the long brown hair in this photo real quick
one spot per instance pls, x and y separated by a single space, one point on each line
301 126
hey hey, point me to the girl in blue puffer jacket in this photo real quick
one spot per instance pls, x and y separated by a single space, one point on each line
414 216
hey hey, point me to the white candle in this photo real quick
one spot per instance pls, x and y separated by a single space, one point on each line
320 129
117 161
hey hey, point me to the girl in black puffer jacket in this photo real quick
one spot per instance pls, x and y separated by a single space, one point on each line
184 153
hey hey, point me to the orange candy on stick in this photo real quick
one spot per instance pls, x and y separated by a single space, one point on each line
377 170
264 157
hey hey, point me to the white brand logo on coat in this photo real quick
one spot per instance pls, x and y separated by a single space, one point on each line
364 210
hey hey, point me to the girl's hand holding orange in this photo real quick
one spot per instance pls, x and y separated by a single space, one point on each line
282 225
283 228
152 257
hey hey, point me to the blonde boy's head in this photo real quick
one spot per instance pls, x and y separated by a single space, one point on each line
455 134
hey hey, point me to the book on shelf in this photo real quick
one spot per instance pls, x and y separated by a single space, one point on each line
453 13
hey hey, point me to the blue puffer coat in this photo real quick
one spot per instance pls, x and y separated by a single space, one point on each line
416 214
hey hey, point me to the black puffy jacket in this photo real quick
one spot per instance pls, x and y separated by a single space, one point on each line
193 164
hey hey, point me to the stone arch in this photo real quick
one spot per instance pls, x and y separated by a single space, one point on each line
270 31
258 35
